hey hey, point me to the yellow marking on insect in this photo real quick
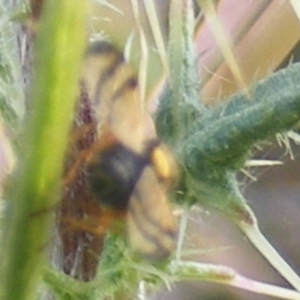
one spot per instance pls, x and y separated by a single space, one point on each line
151 226
164 164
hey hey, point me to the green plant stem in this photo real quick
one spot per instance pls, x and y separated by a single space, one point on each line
269 252
59 47
225 136
187 270
217 144
65 287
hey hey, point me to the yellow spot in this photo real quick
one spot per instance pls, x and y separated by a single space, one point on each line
164 164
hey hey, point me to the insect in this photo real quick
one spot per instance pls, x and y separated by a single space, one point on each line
127 173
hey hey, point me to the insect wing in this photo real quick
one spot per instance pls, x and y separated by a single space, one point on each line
151 227
113 90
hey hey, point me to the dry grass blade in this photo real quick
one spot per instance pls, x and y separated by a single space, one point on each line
223 43
260 43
